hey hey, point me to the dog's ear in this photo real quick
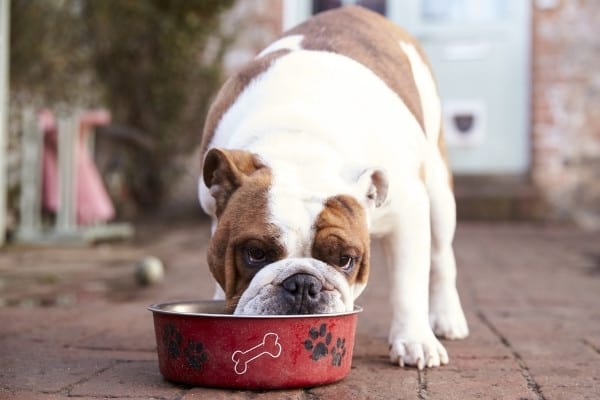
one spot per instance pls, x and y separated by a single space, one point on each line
373 185
225 170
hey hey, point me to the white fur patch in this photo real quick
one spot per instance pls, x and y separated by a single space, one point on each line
430 103
285 43
357 289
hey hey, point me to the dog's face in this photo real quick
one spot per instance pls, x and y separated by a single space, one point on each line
307 257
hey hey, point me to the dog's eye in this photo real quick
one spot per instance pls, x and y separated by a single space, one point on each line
347 263
255 257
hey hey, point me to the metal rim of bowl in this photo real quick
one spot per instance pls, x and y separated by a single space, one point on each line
163 308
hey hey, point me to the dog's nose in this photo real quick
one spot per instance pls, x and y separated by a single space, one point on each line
303 291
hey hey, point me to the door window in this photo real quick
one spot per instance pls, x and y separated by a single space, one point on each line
463 11
324 5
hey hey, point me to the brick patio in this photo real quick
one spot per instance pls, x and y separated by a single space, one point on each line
74 324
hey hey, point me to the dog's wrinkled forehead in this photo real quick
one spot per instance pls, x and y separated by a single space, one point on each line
294 216
297 199
329 230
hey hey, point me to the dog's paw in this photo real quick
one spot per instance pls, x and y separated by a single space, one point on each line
418 350
446 317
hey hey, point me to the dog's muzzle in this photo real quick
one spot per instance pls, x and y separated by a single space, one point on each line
296 286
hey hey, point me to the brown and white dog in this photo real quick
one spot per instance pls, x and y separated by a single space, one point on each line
330 135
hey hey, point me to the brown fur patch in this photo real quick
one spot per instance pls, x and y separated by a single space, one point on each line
224 172
341 230
230 91
370 39
422 173
243 223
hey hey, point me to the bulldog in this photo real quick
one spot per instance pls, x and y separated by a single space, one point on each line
331 135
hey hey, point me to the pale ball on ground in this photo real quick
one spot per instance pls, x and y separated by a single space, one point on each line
149 271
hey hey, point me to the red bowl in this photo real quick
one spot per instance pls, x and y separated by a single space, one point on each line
199 345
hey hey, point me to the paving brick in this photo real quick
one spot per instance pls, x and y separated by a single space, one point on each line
372 378
28 365
28 395
579 391
482 343
593 341
288 394
545 337
558 377
125 379
126 327
22 321
216 394
369 346
225 394
477 379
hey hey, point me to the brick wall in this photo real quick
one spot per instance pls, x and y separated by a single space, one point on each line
252 25
566 109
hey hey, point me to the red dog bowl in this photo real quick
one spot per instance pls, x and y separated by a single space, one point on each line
199 345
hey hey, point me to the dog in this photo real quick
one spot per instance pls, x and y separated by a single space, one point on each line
331 135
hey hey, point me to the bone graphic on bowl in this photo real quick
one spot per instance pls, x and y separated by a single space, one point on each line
269 345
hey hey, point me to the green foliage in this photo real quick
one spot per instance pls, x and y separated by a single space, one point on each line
146 61
148 57
49 60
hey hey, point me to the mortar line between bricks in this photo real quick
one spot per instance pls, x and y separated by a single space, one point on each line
180 395
106 348
422 388
590 345
306 394
67 389
531 382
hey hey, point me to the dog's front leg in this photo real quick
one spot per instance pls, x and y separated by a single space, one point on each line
407 248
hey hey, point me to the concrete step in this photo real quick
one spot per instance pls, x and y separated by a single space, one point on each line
498 198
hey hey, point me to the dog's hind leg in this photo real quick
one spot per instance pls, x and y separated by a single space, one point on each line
445 312
446 315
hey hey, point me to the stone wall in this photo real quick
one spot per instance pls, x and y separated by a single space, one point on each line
566 109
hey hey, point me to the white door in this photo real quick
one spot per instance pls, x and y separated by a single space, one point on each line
480 51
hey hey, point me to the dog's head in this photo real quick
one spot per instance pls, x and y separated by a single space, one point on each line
277 249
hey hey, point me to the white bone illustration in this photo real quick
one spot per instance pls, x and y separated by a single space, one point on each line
270 345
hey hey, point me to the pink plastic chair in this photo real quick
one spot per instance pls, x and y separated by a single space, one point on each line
92 202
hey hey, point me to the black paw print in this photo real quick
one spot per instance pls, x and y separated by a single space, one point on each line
338 352
172 340
195 354
319 349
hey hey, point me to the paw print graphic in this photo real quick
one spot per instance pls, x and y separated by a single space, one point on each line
195 355
338 352
172 340
318 342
